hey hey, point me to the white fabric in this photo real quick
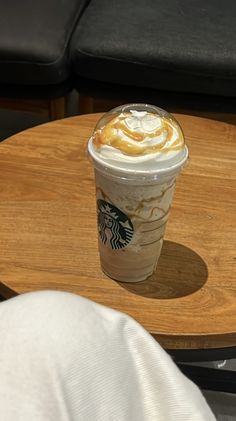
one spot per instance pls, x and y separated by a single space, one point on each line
65 358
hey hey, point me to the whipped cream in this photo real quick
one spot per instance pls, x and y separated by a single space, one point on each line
140 142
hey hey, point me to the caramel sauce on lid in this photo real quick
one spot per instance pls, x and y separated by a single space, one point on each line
140 135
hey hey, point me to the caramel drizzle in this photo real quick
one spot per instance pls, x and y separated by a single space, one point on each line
151 213
141 205
158 219
108 136
153 199
103 195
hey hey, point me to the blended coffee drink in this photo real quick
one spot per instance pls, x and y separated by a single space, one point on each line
137 151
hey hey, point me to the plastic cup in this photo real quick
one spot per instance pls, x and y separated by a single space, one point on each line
133 201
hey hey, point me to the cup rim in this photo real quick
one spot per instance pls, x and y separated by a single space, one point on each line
109 169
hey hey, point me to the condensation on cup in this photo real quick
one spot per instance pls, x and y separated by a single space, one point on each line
137 151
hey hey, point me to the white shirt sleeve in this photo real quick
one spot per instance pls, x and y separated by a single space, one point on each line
66 358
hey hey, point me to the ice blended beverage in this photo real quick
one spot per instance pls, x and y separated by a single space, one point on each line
137 151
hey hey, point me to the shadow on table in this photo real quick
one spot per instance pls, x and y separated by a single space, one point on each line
180 272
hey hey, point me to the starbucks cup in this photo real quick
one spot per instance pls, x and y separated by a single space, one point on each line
137 151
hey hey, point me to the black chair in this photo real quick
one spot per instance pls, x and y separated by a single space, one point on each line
177 54
35 70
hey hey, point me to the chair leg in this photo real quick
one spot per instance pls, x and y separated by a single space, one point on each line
86 104
56 108
210 378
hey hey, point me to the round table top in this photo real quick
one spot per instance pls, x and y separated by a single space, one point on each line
49 236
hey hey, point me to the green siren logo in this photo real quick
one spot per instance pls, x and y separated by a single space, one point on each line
115 228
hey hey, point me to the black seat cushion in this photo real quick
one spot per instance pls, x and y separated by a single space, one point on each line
34 37
178 45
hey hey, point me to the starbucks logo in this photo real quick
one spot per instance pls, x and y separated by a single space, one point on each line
115 228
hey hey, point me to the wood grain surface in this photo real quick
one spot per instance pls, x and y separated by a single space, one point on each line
49 240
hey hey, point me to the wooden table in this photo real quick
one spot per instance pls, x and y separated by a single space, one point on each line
49 241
